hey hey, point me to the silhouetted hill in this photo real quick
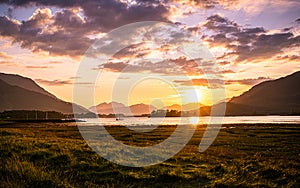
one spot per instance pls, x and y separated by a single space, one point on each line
15 97
23 82
280 96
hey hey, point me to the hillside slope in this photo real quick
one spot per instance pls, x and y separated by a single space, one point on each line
13 97
280 96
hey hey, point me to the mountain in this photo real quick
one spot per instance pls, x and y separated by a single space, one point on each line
109 108
174 107
139 109
275 97
119 108
185 107
280 96
30 96
23 82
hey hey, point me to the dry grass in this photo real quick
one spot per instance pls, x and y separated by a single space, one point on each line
55 155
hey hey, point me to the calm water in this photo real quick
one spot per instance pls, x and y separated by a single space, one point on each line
131 121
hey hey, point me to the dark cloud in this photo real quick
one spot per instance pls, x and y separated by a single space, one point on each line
203 4
266 46
133 51
10 12
178 66
42 33
105 15
219 23
247 44
240 5
165 67
66 32
8 27
289 57
217 83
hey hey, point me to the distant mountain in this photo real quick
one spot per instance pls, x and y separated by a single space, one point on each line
138 109
119 108
20 93
141 108
109 108
173 107
185 107
275 97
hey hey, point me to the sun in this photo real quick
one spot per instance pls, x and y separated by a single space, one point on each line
191 96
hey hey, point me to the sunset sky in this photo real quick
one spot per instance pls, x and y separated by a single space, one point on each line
251 41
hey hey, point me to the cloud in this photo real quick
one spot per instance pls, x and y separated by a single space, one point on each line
133 51
219 23
37 67
217 83
69 31
58 82
289 57
247 44
169 66
74 77
222 63
266 46
209 83
8 63
54 82
106 15
248 6
248 81
227 71
41 33
4 56
55 62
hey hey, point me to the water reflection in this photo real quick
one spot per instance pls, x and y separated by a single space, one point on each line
138 121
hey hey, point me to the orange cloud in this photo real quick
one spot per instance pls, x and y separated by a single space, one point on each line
4 56
37 67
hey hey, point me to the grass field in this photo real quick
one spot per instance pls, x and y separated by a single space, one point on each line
55 155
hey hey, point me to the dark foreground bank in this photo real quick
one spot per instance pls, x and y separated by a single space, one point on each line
55 155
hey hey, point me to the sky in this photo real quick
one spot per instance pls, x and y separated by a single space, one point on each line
205 51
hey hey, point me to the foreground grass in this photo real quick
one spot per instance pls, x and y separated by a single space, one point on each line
55 155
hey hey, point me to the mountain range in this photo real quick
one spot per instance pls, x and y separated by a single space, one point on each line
275 97
280 96
119 108
21 93
138 109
